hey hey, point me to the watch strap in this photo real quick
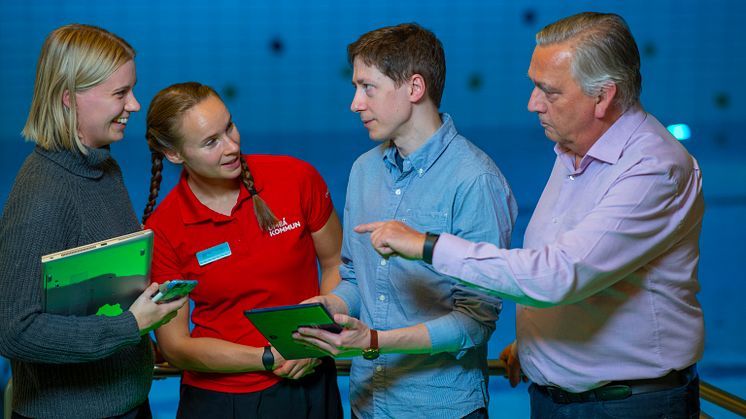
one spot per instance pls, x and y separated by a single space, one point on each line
268 359
373 339
429 246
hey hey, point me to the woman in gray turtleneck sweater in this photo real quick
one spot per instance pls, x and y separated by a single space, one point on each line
69 192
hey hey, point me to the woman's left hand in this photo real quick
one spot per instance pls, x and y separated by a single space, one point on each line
297 368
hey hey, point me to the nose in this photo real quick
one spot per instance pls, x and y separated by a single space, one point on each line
232 144
358 101
132 104
535 102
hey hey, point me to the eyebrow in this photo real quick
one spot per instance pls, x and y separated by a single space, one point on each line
360 81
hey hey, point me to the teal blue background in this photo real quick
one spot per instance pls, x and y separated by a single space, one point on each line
281 68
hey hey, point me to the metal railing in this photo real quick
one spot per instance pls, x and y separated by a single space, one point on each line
707 391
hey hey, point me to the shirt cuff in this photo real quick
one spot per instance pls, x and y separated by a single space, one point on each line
348 292
446 334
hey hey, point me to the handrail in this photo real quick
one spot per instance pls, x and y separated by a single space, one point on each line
722 398
707 391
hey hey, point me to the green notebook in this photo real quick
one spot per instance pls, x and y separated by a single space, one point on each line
101 278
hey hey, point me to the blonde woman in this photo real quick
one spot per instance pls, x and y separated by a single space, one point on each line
69 192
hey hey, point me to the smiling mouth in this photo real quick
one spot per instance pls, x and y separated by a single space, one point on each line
121 120
231 163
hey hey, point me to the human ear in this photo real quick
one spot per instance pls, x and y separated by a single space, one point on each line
605 100
173 156
66 98
417 88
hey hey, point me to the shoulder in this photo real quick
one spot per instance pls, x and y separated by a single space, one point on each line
265 164
467 162
40 183
653 150
371 158
167 212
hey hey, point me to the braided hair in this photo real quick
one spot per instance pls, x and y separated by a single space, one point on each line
162 134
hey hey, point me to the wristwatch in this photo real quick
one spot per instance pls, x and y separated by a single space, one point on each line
373 351
268 359
429 246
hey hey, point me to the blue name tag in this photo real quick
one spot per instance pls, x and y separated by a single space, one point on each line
212 254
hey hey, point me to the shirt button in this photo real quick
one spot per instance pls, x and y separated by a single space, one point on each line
379 368
382 297
571 177
554 220
421 171
398 191
383 262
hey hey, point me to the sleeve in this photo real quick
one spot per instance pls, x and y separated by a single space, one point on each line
316 199
166 262
644 212
33 225
348 289
484 210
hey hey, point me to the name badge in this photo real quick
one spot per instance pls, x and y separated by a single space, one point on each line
212 254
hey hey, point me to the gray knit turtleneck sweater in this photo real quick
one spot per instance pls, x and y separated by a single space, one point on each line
65 366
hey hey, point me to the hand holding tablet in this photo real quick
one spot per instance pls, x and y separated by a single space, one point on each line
278 324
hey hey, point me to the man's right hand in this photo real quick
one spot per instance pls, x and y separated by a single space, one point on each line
150 315
509 356
394 238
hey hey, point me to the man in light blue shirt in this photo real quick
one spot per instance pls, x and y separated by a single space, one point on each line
423 338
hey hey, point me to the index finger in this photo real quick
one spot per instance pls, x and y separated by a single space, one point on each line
367 228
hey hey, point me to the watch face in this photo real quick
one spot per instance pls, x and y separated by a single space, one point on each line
370 353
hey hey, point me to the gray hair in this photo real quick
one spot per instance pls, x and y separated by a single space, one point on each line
604 52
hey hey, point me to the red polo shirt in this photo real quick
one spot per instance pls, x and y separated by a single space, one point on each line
263 269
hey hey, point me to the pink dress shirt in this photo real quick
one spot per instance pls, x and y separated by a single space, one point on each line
606 282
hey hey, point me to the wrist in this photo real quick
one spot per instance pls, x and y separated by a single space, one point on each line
372 352
268 358
428 247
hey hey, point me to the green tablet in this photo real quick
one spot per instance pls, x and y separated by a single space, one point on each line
278 324
101 278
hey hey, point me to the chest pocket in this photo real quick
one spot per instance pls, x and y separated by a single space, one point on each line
430 221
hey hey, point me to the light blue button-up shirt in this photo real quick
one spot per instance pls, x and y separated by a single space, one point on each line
447 185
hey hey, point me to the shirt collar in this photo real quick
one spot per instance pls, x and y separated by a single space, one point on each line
424 157
193 211
609 147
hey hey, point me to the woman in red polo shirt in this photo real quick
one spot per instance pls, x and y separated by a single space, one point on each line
216 226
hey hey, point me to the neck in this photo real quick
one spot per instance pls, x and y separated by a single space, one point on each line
595 131
424 122
220 195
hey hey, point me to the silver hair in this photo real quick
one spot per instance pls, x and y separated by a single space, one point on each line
605 52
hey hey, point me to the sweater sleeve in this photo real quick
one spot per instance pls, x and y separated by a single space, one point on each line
38 220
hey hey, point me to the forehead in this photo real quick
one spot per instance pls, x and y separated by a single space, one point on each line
550 62
122 76
362 71
204 119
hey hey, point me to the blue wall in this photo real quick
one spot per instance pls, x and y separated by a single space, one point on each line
281 67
